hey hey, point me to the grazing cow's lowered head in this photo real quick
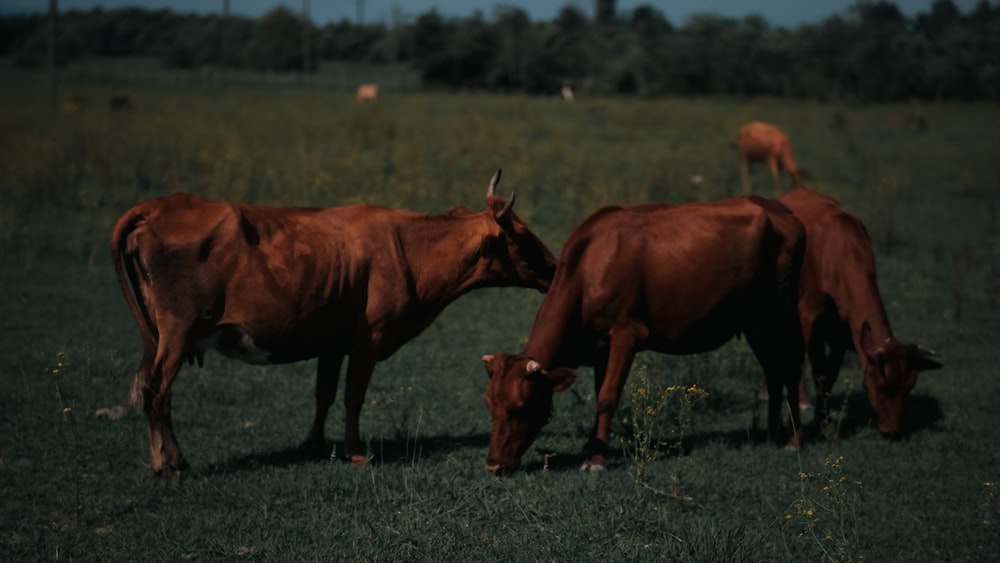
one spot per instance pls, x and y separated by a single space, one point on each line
890 373
519 398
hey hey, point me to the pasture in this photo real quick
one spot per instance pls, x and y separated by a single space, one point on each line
692 478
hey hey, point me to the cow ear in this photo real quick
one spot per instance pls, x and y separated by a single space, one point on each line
560 378
875 355
922 359
487 360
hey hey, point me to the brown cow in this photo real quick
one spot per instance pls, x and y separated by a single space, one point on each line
841 309
367 93
275 285
673 279
763 142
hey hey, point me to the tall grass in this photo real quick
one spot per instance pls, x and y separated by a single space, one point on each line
77 486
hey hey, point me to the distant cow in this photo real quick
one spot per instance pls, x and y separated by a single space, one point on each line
674 279
275 285
567 93
367 93
841 309
763 142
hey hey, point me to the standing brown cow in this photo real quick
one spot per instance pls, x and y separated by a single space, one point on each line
674 279
841 309
367 93
763 142
273 285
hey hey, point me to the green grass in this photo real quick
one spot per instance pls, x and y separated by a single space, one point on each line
77 487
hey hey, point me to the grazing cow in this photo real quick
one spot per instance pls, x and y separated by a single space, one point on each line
275 285
673 279
763 142
367 93
841 309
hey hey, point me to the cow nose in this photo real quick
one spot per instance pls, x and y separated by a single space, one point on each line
500 468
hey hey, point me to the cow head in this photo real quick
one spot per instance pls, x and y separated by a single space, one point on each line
890 373
511 253
519 398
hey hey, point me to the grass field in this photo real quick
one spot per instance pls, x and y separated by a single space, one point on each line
707 488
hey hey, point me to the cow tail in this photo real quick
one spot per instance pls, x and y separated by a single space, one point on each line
126 261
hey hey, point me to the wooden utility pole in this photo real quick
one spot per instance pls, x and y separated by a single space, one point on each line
361 12
53 88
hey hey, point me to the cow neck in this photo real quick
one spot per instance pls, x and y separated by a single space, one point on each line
550 340
440 253
864 305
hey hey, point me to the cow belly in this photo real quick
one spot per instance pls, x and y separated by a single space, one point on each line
235 342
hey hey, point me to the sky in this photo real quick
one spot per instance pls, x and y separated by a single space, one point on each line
785 13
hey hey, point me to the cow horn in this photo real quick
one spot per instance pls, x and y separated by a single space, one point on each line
927 351
532 366
491 192
507 206
493 182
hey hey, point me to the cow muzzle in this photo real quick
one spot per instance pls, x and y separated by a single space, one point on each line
505 467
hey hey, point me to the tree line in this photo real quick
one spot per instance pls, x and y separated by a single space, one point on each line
873 52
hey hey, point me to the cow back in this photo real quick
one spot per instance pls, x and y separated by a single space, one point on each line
691 273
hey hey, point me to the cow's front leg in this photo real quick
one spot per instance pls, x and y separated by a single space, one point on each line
359 374
622 351
327 378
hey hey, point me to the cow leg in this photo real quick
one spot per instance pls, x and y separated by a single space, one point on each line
165 457
776 175
780 354
622 352
359 373
327 379
805 401
745 174
825 368
593 447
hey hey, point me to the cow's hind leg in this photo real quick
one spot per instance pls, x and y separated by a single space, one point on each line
165 457
327 378
780 353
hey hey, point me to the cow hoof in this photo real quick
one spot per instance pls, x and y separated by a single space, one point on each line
594 466
170 473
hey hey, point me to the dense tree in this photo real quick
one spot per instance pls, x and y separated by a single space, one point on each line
873 52
276 43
